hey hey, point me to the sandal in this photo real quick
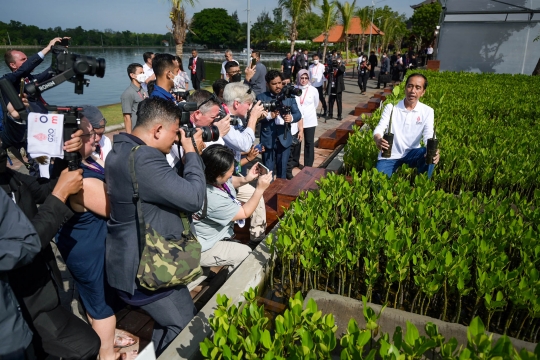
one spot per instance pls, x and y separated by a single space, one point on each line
123 339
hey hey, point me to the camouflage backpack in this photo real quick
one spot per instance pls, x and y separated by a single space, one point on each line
164 263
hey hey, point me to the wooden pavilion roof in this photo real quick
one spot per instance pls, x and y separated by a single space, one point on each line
336 33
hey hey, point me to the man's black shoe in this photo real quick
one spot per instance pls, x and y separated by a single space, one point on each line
339 118
330 116
378 87
300 166
289 176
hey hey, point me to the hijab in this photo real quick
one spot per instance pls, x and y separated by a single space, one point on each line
300 73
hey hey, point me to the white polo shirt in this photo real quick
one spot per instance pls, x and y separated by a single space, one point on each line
148 71
223 71
408 127
316 74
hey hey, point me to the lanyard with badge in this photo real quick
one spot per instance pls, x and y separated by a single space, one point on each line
242 222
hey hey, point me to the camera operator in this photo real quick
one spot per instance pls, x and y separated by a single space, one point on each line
19 244
241 102
57 331
411 121
163 194
335 86
275 129
363 74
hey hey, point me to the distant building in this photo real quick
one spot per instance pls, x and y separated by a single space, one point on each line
427 2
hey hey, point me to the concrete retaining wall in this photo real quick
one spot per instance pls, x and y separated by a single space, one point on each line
344 308
251 273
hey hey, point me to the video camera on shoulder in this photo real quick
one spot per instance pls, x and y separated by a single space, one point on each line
71 67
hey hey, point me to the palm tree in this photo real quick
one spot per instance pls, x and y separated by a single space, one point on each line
346 10
365 23
328 14
180 23
296 8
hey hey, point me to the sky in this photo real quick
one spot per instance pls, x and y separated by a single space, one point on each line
150 16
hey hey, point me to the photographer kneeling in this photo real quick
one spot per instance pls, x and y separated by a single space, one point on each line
165 198
215 221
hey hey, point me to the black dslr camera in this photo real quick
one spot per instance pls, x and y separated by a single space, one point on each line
68 66
288 91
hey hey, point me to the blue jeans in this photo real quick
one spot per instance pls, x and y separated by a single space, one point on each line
414 158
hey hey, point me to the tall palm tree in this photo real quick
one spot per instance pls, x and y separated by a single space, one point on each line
328 14
180 23
295 9
346 11
365 23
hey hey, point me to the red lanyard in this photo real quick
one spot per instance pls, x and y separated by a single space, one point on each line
303 98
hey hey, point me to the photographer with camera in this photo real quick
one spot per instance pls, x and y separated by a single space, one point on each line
411 121
57 331
275 128
335 86
363 74
165 200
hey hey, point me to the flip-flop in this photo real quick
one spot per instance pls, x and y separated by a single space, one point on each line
121 336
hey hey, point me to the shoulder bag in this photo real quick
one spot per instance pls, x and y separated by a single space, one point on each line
164 263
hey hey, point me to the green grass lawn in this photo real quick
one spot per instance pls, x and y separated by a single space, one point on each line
113 114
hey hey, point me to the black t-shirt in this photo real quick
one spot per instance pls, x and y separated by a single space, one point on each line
287 65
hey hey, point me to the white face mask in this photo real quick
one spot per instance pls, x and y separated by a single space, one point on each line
316 61
339 61
141 78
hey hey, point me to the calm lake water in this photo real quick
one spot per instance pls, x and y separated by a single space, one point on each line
107 90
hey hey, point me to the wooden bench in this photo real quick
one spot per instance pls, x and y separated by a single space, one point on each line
330 140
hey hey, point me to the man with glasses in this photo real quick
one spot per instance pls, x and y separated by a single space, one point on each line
98 122
228 58
233 73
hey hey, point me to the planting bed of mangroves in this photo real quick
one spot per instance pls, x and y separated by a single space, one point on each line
464 244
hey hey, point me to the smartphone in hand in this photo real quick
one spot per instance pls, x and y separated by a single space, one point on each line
253 62
258 147
261 169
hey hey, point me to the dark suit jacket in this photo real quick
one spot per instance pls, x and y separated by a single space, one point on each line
200 70
163 194
270 131
299 63
373 60
33 283
340 83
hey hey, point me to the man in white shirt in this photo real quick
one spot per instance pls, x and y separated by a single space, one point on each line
430 52
147 69
411 121
228 57
316 74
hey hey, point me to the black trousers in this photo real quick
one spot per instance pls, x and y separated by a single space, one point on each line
321 98
195 81
171 315
309 146
335 98
379 81
294 157
362 82
372 71
63 334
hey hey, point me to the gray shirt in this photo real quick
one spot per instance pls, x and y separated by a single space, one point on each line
218 223
258 82
131 98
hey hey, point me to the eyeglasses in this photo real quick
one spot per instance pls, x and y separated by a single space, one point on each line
234 72
304 78
93 134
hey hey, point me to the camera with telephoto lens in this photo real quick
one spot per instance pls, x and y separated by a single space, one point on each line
210 133
68 66
181 94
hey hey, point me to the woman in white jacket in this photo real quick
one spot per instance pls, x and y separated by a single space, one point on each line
307 103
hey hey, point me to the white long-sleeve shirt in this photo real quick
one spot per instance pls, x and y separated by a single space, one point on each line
408 127
316 74
307 104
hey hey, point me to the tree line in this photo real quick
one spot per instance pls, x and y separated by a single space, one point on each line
20 34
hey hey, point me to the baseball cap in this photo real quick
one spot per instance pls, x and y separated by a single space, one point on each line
94 116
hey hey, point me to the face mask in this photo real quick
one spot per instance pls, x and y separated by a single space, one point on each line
339 61
315 62
295 53
141 78
236 78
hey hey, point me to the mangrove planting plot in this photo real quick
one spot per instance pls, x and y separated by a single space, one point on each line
243 332
417 248
488 131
